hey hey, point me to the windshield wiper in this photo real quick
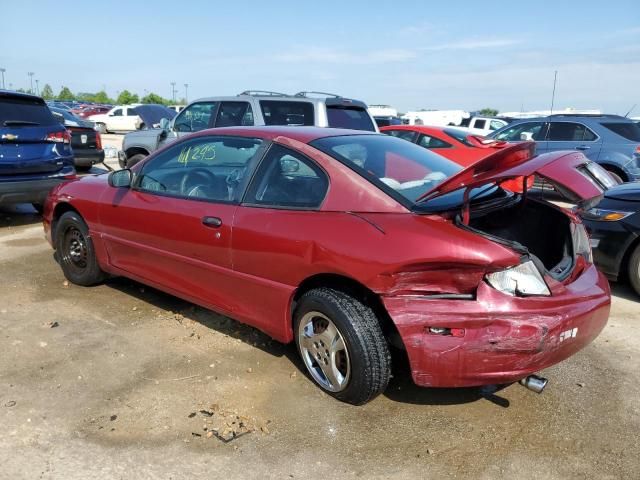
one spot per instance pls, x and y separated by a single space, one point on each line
11 123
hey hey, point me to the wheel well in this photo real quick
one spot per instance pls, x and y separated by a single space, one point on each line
61 209
617 170
357 290
135 151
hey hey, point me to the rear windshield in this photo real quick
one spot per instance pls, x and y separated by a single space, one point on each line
287 113
459 135
30 111
628 130
351 118
400 168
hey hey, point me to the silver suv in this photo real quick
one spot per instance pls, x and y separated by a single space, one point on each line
252 107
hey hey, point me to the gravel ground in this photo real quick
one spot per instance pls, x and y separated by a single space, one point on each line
123 381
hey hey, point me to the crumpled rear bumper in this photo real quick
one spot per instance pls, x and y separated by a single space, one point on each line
506 338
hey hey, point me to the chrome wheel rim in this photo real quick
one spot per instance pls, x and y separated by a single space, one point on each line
324 351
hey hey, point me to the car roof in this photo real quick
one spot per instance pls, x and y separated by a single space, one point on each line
585 118
12 94
301 134
329 99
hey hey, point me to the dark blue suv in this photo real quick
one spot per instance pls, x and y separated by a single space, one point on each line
610 140
35 150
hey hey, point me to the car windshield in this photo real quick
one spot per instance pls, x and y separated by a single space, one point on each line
351 118
400 168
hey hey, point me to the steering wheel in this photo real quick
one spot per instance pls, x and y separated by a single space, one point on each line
194 180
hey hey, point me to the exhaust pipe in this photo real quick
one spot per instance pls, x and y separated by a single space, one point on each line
534 383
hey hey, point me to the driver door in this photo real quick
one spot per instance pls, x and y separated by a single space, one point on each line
172 229
193 118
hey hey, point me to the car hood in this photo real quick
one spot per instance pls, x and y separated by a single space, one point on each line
626 191
519 160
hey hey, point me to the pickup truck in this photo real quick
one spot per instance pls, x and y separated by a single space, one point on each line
482 125
255 107
121 118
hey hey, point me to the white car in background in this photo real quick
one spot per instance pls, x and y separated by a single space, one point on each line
482 125
121 118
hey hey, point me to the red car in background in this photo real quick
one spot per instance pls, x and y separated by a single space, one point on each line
91 110
452 143
346 242
455 144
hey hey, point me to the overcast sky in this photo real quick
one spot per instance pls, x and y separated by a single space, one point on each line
410 54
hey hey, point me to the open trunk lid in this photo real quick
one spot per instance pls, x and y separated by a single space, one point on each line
567 170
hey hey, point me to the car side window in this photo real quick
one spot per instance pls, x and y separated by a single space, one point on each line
480 124
515 133
196 117
569 132
286 178
204 168
403 134
131 112
117 112
233 114
427 141
495 125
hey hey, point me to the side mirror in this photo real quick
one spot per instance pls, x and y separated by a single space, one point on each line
120 178
526 136
164 124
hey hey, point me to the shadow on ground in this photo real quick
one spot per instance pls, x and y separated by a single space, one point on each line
18 215
624 290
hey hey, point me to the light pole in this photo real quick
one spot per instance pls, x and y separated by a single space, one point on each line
2 70
186 94
31 74
173 91
37 87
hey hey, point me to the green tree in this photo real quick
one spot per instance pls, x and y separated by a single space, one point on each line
154 98
126 98
65 94
102 97
47 92
488 112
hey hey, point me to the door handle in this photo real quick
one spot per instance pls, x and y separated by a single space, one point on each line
583 147
213 222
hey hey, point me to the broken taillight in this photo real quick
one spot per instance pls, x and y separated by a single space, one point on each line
446 331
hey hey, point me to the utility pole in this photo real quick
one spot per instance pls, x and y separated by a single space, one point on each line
2 70
553 95
186 95
37 87
31 74
173 91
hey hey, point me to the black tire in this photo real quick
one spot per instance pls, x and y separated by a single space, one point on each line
131 161
367 351
38 207
75 251
634 269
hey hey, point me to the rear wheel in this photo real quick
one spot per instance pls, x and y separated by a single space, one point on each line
342 345
634 269
75 251
134 159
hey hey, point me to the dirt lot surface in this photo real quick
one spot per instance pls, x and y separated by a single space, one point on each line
122 381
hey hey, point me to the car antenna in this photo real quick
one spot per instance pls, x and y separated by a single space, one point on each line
630 110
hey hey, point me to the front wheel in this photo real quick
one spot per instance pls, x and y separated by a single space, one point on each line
130 162
75 251
634 269
342 345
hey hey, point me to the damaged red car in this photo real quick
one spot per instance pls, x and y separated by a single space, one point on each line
347 243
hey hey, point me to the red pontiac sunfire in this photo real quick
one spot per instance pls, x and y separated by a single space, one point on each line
346 241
